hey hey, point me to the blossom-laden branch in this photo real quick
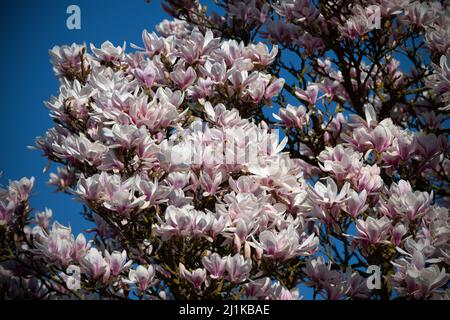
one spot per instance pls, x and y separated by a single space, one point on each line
194 196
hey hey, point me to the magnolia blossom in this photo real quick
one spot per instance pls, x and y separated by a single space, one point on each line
117 261
414 279
238 268
361 22
293 117
357 203
215 265
142 276
195 277
59 244
189 191
95 264
371 230
341 162
285 244
328 195
264 289
328 282
309 95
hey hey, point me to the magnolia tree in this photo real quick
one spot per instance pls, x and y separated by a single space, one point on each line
247 153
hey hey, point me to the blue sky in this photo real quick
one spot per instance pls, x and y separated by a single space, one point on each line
28 30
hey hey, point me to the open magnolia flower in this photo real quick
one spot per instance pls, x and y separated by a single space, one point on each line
192 192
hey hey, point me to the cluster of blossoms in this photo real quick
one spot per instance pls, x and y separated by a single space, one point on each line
14 201
192 192
135 150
